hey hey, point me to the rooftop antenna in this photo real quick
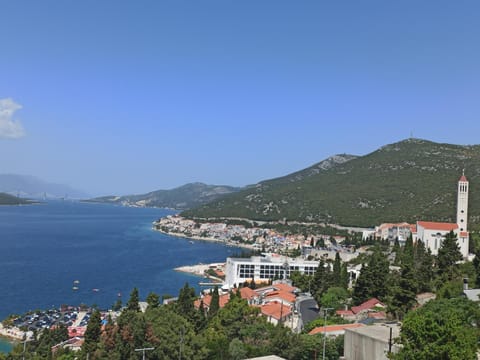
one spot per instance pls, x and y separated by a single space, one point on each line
411 135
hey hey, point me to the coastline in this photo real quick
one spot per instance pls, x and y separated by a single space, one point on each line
12 334
199 238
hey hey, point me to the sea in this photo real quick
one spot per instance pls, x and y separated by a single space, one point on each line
45 248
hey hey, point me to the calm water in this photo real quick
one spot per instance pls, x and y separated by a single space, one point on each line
44 248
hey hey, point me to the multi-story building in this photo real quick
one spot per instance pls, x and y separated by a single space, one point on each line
262 269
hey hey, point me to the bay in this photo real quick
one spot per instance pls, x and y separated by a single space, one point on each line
45 248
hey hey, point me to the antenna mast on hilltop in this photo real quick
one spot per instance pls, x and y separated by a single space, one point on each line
411 135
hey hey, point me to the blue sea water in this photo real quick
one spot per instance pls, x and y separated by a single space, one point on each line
44 248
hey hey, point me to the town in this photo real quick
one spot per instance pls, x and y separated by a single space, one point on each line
339 289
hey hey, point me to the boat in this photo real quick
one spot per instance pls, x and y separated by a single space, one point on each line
191 242
76 281
75 288
95 290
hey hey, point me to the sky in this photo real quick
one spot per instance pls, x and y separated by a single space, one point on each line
122 97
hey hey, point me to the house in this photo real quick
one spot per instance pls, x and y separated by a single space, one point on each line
207 300
276 312
74 344
364 310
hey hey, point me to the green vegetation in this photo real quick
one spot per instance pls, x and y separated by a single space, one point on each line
6 199
183 197
442 329
410 180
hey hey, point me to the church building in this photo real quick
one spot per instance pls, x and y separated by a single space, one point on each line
432 234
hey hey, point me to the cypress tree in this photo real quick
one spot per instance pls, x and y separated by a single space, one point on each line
214 303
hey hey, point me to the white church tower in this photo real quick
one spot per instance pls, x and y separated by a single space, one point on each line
462 214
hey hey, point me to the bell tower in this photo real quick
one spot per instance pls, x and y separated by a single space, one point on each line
462 203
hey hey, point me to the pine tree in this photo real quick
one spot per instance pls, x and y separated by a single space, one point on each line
93 333
153 300
184 305
372 281
448 256
133 302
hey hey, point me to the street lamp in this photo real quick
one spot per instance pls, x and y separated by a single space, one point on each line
143 351
325 312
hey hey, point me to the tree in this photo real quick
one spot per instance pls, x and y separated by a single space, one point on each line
334 297
337 269
448 256
372 279
184 305
214 303
153 300
441 329
133 302
93 333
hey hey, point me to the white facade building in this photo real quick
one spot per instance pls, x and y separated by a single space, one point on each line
432 234
263 269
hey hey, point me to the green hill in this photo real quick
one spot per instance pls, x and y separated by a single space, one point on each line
6 199
183 197
406 181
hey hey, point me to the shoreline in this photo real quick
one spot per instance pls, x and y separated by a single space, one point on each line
199 238
12 335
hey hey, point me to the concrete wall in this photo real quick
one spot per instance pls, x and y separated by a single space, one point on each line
368 343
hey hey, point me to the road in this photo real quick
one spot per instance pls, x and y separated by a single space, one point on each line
308 309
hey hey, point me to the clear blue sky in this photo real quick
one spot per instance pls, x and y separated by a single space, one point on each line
117 97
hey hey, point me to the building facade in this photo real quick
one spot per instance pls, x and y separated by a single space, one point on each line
432 234
262 269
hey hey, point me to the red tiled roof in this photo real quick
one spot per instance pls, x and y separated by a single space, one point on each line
344 312
285 287
247 293
430 225
367 305
378 315
276 309
284 295
76 331
333 328
207 299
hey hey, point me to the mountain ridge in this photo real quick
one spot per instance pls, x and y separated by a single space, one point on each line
404 181
180 198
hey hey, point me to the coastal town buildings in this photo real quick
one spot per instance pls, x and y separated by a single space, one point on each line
432 234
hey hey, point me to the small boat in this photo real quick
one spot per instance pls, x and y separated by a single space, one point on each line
191 242
95 290
76 281
75 288
119 294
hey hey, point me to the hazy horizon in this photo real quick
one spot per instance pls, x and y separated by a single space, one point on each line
118 98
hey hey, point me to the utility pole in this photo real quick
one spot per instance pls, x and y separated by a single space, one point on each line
325 312
143 351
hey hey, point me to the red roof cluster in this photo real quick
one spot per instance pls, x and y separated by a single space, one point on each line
276 310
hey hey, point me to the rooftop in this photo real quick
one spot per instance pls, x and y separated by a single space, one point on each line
431 225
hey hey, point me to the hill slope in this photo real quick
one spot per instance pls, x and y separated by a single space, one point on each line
7 199
183 197
409 180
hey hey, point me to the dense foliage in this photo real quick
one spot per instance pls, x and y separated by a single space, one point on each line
398 181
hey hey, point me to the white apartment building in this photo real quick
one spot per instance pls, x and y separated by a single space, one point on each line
263 269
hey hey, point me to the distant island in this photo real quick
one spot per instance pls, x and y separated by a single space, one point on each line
7 199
